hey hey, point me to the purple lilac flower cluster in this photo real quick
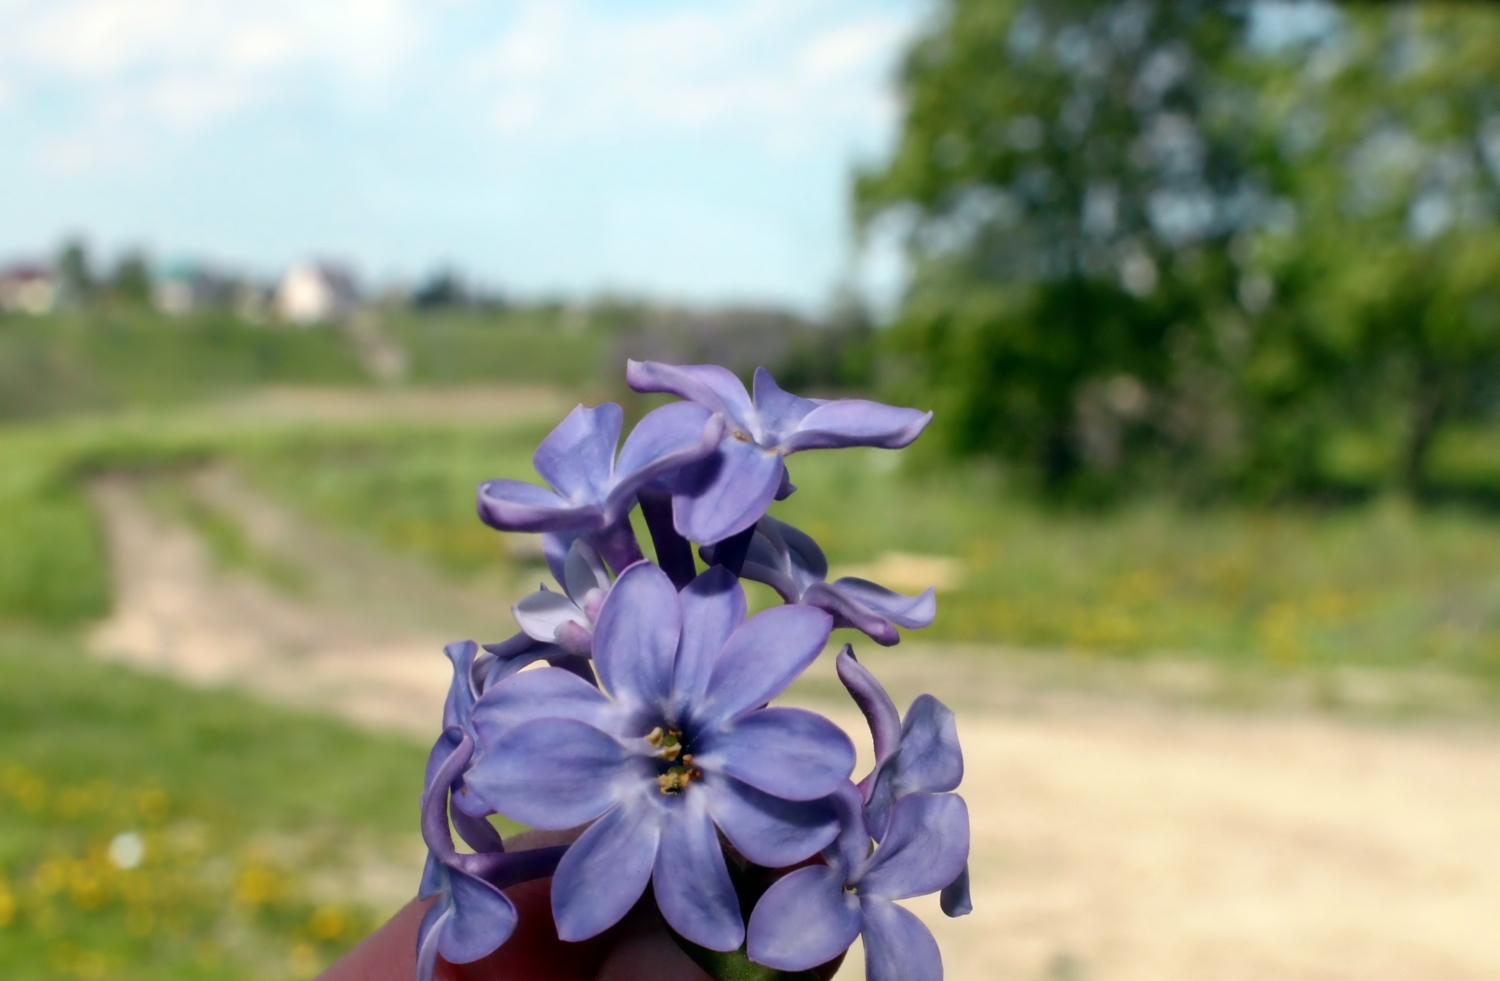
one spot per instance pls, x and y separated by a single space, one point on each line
647 718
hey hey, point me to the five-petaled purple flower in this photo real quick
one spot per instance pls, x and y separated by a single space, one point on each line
728 492
916 755
591 490
676 748
812 914
790 562
647 723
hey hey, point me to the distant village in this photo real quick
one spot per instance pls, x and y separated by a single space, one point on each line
311 293
307 293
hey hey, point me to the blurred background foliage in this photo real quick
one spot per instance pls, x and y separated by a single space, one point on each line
1226 249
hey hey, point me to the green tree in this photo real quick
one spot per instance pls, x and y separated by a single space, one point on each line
75 272
131 280
1071 183
1385 132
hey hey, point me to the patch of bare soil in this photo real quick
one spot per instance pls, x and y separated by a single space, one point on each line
360 639
1115 836
1127 839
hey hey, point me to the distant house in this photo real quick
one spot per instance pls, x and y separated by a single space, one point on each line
316 292
184 287
28 288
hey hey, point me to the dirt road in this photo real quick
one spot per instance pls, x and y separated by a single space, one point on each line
1115 838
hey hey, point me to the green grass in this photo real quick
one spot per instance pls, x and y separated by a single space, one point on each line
412 490
531 346
244 810
108 358
1380 584
241 808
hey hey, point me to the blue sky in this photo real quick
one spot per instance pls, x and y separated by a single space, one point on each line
694 151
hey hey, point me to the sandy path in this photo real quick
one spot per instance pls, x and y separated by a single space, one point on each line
1113 838
177 613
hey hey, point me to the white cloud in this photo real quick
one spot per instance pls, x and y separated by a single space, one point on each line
143 67
789 71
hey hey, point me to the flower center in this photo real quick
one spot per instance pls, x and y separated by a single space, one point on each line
742 436
680 770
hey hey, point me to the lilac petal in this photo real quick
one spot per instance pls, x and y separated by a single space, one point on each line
912 612
545 693
666 439
691 880
578 456
434 877
543 612
763 563
924 849
928 760
761 658
580 667
806 557
713 607
898 947
429 935
789 753
635 639
876 706
766 548
931 759
521 651
767 830
726 493
583 570
512 505
787 488
955 895
707 384
483 919
606 870
803 920
853 845
555 548
849 612
477 832
457 707
856 422
576 639
552 773
434 800
461 694
780 411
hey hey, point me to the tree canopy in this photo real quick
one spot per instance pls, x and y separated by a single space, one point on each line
1204 240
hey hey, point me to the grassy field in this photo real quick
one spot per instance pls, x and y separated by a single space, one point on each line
240 846
1380 584
149 831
